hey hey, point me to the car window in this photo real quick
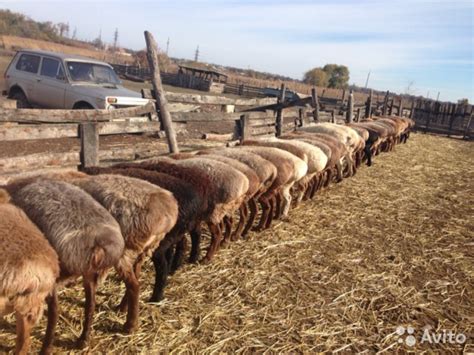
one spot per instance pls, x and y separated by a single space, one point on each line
49 67
28 63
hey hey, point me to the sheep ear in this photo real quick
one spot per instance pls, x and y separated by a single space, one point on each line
4 196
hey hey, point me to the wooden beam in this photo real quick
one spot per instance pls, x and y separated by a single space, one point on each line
368 105
89 144
217 100
13 132
72 116
244 128
279 116
350 108
152 54
315 104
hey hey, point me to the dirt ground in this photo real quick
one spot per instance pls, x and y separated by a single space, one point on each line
390 247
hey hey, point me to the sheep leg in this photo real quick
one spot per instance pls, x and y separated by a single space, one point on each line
270 216
195 244
286 203
179 254
243 213
368 154
277 205
216 237
251 219
161 273
52 301
24 323
339 171
329 177
228 222
90 287
315 186
265 203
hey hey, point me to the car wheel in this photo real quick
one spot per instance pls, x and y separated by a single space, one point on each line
21 100
83 106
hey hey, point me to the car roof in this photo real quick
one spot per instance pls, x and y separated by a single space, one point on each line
62 56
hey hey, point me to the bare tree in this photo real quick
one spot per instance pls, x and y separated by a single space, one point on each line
410 90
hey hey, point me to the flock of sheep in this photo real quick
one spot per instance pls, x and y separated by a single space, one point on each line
58 227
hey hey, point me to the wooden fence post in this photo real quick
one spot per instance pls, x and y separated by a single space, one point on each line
368 105
315 104
89 132
454 111
300 120
385 104
400 108
343 96
241 89
162 102
333 116
390 110
466 130
412 111
279 116
244 127
358 115
350 108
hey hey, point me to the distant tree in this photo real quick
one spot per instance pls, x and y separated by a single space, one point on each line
63 29
338 75
409 90
316 77
463 102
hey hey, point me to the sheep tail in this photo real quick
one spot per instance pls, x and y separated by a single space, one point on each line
4 196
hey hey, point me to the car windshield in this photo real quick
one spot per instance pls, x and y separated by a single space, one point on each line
92 72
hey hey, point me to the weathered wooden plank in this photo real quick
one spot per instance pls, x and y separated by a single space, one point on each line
12 132
7 103
72 116
160 96
217 100
89 132
213 116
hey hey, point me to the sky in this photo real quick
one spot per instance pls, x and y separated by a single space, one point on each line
424 45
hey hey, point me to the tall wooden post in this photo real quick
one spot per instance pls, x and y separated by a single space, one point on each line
385 104
315 104
244 127
412 111
279 116
162 102
333 116
390 110
400 108
358 115
368 105
89 155
350 108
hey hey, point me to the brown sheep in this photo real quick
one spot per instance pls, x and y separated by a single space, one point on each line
145 213
29 268
265 170
85 236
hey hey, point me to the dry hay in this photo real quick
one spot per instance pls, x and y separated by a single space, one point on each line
390 247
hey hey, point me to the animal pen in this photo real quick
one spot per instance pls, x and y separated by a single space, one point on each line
342 272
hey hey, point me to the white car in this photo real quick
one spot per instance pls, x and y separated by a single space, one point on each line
62 81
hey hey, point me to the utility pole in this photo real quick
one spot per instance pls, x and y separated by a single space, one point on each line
196 55
167 46
367 81
437 99
428 94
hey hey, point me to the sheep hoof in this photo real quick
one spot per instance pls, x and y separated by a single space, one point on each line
206 260
285 219
224 244
81 343
129 328
156 299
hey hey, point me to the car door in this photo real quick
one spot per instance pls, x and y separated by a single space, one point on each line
51 84
26 74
